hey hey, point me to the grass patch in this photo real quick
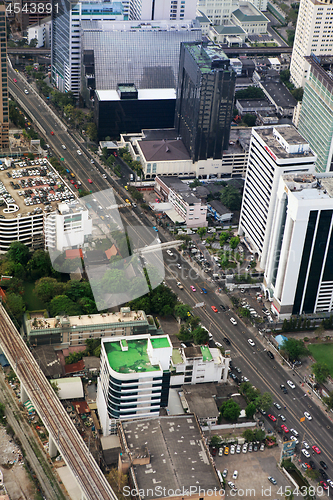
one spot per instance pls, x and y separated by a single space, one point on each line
323 353
33 303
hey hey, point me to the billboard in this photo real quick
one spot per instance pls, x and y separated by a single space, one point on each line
288 449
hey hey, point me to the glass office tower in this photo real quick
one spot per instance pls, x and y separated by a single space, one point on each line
205 95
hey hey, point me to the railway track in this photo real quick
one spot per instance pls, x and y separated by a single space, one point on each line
68 441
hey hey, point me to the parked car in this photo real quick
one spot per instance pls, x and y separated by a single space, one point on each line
235 474
225 473
272 480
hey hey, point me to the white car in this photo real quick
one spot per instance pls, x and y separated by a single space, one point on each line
92 161
238 450
79 152
306 453
250 341
179 266
294 431
244 449
232 449
169 253
307 415
221 452
291 384
235 474
63 146
26 91
218 344
232 486
306 445
233 321
293 438
283 418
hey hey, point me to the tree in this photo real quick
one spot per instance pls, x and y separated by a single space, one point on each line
242 311
265 401
33 42
215 441
285 75
2 412
328 400
61 304
298 93
295 349
234 242
200 336
55 387
201 232
248 435
251 92
230 410
18 253
249 119
260 435
321 372
92 131
313 474
39 265
250 410
15 304
231 198
181 310
47 288
224 236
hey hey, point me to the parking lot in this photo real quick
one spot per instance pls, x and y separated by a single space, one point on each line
253 471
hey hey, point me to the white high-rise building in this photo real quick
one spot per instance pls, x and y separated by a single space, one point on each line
274 151
299 268
314 35
173 10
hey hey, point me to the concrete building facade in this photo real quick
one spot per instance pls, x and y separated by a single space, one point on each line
4 105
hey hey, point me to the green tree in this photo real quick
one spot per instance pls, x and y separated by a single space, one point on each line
245 313
313 474
248 435
231 198
39 265
224 236
295 349
215 441
250 410
200 335
181 310
201 232
47 288
230 410
285 75
249 119
251 92
92 131
264 402
55 387
234 242
321 372
328 400
260 435
2 412
15 304
18 253
33 42
61 304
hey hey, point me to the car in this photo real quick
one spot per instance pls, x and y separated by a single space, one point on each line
323 464
248 268
235 474
193 288
312 464
291 384
282 417
72 182
277 406
220 452
316 449
218 344
262 411
250 449
250 341
238 370
115 154
305 466
293 438
306 453
244 449
214 452
204 291
90 181
272 480
233 321
232 449
270 354
323 485
63 146
232 486
226 340
323 474
169 253
238 450
91 160
272 417
307 415
245 379
78 152
52 133
294 432
222 307
262 447
226 450
306 445
14 80
330 482
179 267
285 428
225 473
26 91
214 309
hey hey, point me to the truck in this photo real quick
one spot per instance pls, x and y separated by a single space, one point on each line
131 178
180 286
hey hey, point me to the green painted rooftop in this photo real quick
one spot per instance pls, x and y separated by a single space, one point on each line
206 354
176 357
135 360
157 343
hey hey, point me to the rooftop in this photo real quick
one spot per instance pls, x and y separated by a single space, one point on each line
247 13
290 136
208 57
201 399
31 187
143 95
219 207
310 186
177 357
279 94
134 359
228 29
178 456
164 150
206 354
322 68
255 103
159 342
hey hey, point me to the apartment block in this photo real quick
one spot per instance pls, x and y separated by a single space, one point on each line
4 110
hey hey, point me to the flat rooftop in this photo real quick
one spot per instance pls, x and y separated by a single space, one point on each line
133 360
310 186
206 354
279 94
31 187
160 342
178 456
143 95
201 399
208 58
290 135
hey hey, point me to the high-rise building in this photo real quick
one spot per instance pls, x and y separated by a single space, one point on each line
315 121
313 35
219 11
174 10
299 268
66 37
274 151
4 112
134 378
204 103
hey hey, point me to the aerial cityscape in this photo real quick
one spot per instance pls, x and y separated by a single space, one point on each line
166 249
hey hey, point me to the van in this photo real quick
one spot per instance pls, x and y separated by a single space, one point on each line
131 177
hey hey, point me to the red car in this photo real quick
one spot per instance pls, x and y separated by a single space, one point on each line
76 186
72 182
271 417
115 154
214 309
90 181
14 80
52 133
285 428
324 485
316 449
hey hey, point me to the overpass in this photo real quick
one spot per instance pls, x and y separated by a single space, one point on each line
62 432
253 51
28 50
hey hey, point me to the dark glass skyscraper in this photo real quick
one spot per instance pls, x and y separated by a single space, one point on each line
205 94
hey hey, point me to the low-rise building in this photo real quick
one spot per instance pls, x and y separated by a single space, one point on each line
280 97
219 212
74 330
190 208
249 17
254 106
134 378
40 32
167 457
198 364
231 34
